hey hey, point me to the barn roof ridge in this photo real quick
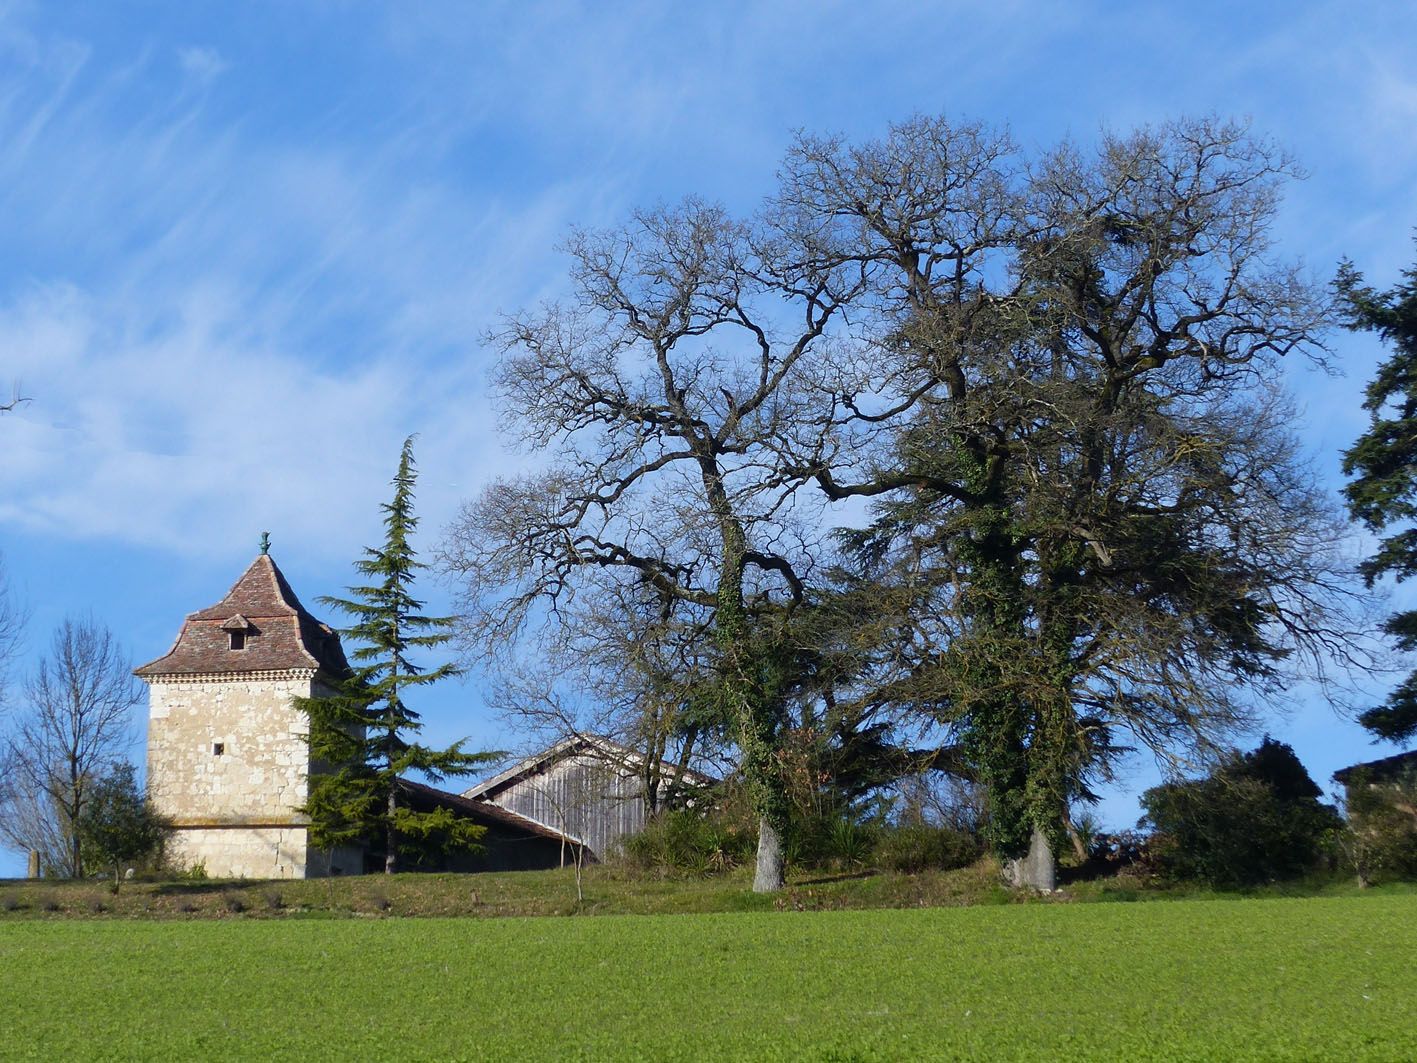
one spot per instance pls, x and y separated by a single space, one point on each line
607 748
486 809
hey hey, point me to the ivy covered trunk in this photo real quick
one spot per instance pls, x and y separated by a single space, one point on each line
1013 676
750 701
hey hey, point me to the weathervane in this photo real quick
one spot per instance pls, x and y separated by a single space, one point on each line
265 542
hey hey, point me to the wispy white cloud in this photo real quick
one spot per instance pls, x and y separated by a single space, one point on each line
238 334
203 65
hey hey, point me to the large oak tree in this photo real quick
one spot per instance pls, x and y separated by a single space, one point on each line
1054 383
1093 524
657 396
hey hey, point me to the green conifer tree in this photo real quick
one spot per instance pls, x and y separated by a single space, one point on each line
1384 464
361 733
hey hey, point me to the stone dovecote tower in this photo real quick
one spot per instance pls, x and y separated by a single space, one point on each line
228 761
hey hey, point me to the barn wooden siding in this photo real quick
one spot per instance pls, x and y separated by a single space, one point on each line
582 796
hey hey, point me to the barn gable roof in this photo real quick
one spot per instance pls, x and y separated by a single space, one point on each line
482 812
593 745
276 632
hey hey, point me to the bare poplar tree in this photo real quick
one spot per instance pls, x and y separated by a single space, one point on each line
76 720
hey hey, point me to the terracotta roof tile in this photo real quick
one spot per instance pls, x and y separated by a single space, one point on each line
280 633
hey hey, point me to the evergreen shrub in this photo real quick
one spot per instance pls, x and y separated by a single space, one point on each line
1256 818
683 841
911 849
1381 839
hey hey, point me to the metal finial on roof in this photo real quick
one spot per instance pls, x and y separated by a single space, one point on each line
265 542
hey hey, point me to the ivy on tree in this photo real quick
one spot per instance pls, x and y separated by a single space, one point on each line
1383 461
1051 379
361 732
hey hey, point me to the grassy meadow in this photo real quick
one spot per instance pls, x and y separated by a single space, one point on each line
1260 978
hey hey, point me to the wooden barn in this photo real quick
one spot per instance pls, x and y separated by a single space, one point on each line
587 787
512 842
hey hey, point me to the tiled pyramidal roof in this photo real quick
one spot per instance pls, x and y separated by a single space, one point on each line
279 633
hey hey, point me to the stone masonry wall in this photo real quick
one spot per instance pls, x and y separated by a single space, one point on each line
235 810
259 852
242 852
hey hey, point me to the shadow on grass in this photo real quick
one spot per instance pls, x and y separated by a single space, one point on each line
845 876
200 888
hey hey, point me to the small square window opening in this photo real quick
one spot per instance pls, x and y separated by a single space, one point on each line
218 748
238 639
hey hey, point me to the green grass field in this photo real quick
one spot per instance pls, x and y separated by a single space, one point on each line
1313 978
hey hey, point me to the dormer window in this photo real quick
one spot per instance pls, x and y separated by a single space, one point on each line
238 629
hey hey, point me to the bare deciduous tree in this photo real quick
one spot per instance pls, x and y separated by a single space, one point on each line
77 718
17 399
12 628
637 676
660 394
1053 380
1091 520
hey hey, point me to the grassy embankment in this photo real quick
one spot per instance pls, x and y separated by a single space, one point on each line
609 890
1300 978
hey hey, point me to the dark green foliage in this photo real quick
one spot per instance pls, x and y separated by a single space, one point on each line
686 841
923 847
1095 528
1381 840
1256 818
1383 462
118 825
361 731
837 841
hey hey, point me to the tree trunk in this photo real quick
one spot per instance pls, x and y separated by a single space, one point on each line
72 810
1079 849
1036 870
390 836
768 878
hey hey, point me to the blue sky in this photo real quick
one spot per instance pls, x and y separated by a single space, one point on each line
246 249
